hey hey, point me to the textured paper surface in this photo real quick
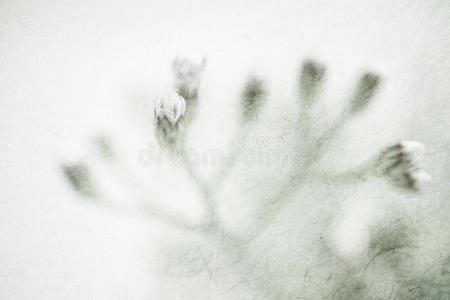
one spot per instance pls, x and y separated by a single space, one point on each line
78 80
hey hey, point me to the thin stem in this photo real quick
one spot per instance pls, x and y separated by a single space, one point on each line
301 172
123 175
233 159
278 201
346 177
204 187
148 210
208 189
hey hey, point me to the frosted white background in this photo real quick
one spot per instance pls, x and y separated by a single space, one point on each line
70 69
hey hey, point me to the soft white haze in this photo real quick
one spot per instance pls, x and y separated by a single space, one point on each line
72 69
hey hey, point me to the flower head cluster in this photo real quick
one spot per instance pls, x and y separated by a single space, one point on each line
402 163
170 107
187 76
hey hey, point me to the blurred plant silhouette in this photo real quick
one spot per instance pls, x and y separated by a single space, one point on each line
399 164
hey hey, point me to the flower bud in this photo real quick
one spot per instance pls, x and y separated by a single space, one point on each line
170 108
311 76
102 145
252 96
366 89
402 163
187 77
80 179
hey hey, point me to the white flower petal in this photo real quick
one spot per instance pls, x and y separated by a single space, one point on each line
421 176
170 107
413 147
